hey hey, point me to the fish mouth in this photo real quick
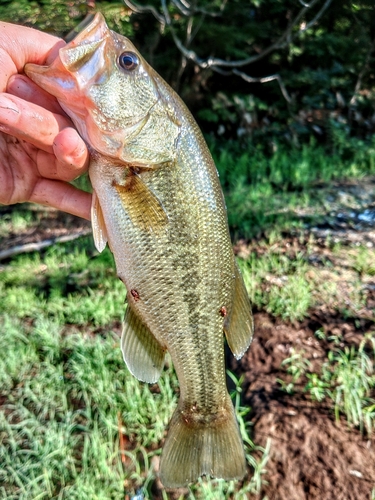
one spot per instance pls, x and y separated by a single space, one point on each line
79 62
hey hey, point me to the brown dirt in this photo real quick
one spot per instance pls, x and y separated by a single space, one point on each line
312 456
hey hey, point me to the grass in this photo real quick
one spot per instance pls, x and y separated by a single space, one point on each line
346 378
263 191
71 284
59 421
278 283
289 281
74 423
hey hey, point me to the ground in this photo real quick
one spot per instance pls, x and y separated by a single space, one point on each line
313 455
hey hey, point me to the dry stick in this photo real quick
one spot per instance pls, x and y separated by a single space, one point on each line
35 247
122 438
211 62
218 64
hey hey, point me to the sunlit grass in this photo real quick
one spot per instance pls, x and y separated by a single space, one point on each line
263 190
289 283
71 287
68 396
346 378
59 420
278 283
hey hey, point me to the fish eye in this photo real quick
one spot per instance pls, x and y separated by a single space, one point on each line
128 61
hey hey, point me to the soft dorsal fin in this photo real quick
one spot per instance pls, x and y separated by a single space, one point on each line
142 353
143 207
99 229
239 324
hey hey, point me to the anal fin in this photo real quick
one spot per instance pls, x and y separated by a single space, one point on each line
142 353
239 325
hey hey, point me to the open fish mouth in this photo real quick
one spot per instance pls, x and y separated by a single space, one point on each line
79 63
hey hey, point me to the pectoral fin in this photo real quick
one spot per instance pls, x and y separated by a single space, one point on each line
143 207
98 225
142 353
239 325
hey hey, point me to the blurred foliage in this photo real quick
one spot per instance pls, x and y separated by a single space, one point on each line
59 17
326 66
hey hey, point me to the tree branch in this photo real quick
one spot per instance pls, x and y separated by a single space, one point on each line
218 64
213 61
187 10
318 16
140 9
265 79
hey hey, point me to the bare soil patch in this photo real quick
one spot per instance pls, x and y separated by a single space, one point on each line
312 455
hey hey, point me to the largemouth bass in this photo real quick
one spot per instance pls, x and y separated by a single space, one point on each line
158 203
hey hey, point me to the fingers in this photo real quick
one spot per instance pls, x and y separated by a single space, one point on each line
30 122
23 87
20 45
71 151
71 157
62 196
21 180
42 150
27 44
38 124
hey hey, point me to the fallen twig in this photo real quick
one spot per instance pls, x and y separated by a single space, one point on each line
35 247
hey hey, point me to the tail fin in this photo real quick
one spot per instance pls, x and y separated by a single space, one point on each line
193 449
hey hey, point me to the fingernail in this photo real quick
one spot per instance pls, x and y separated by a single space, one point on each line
70 149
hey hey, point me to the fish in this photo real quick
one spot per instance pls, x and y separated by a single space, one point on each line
158 203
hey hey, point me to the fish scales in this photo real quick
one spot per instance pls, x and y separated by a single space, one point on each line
158 203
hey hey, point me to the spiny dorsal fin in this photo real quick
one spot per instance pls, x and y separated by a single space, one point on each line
142 353
239 325
143 207
99 229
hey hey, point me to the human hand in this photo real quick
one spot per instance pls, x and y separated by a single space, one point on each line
40 152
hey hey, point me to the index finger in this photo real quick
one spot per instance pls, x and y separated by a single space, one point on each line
30 122
20 45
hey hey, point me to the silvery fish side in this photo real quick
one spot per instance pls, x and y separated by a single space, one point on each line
158 203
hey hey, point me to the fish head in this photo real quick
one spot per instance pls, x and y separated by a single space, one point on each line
118 103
